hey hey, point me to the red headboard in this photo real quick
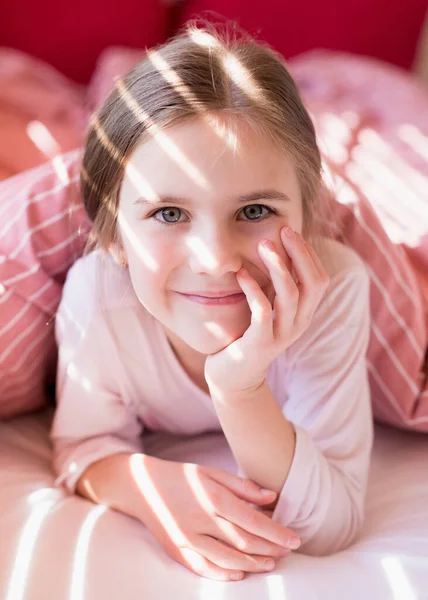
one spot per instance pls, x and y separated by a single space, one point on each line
71 34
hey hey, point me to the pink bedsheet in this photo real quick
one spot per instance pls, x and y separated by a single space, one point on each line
65 548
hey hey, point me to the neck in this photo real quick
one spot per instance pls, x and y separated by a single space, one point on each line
192 360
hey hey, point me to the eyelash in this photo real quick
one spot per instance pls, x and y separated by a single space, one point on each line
160 210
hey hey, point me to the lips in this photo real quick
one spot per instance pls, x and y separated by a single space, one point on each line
222 294
215 301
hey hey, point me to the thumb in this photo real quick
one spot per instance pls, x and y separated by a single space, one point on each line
266 496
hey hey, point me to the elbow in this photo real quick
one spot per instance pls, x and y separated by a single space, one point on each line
328 546
337 532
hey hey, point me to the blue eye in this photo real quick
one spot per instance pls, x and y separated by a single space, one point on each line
165 211
169 211
256 206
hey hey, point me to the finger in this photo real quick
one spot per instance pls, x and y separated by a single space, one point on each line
261 326
195 562
325 277
287 293
246 489
248 543
312 283
316 260
257 523
229 558
307 272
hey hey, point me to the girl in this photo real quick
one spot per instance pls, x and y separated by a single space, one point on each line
214 301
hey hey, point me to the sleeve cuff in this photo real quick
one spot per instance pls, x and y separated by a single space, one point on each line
71 462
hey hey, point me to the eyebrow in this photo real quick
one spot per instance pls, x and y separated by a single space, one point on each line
251 197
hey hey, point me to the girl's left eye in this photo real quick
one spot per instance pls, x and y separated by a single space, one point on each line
250 208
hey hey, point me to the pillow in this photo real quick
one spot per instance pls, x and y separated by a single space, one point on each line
43 231
42 113
112 63
375 150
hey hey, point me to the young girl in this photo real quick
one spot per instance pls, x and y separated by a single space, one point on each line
214 302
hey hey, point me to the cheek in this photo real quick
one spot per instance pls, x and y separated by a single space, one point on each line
149 269
149 288
144 251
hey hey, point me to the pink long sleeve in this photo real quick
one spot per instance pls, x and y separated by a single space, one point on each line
93 418
329 403
117 372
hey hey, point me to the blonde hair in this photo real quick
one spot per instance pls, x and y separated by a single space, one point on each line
202 71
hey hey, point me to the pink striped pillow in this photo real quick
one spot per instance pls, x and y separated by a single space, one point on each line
372 124
43 230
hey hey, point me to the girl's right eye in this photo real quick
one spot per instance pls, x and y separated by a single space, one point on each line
168 210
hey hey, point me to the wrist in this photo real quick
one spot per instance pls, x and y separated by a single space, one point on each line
225 396
113 482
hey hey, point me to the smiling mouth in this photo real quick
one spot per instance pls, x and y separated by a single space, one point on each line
219 301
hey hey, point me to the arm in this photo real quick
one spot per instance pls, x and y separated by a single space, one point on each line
261 438
94 418
315 450
111 482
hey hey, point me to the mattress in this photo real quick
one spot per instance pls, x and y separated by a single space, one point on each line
58 547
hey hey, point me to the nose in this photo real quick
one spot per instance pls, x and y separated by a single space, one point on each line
215 253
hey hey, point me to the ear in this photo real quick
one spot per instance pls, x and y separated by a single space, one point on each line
118 254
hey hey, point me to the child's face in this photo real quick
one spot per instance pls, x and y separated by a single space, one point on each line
211 236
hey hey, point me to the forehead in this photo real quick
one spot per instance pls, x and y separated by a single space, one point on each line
212 157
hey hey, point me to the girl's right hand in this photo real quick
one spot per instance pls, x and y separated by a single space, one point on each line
202 517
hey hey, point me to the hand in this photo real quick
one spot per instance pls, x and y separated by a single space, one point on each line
242 366
202 518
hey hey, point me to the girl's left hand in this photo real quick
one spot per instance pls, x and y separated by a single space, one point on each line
242 366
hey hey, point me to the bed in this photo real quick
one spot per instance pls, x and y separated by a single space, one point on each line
65 548
58 547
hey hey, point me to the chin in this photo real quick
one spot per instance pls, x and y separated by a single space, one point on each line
211 344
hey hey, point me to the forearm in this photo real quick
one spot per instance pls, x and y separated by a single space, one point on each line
260 437
111 482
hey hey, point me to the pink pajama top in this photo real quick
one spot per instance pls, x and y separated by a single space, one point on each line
118 377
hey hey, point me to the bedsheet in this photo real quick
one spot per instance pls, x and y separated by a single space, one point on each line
56 547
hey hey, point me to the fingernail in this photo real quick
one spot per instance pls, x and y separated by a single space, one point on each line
269 564
294 543
267 244
265 492
288 232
